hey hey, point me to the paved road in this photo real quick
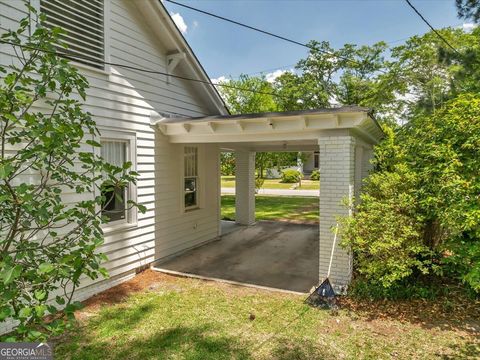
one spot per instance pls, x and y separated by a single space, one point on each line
280 192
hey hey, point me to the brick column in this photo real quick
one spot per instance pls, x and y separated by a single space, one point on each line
245 187
337 179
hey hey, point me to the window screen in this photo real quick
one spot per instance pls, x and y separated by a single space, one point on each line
114 206
191 177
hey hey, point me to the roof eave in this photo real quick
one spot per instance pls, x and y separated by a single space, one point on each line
176 40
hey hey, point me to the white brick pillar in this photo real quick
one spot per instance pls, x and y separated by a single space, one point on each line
337 182
245 187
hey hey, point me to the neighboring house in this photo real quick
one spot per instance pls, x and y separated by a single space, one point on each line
311 163
173 130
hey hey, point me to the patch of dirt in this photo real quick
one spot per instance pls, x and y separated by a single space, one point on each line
117 294
459 314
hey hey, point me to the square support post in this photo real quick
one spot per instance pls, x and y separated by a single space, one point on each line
337 183
245 187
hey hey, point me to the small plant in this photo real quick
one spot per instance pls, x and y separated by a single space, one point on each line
258 184
315 175
291 176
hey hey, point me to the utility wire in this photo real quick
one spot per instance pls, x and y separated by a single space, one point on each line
268 33
431 27
293 65
70 56
240 24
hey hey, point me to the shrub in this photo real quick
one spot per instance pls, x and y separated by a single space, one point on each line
291 176
385 233
419 212
48 245
259 183
315 175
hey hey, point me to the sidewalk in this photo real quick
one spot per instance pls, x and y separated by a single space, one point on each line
279 192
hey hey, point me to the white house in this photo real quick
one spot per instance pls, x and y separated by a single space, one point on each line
173 131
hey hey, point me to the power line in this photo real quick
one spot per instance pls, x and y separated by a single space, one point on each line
431 27
268 33
130 67
240 24
293 65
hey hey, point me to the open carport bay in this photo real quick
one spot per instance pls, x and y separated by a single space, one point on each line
275 254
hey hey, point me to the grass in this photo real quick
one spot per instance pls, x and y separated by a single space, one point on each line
165 317
298 208
229 182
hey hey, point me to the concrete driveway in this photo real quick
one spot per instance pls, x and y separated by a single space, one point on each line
274 254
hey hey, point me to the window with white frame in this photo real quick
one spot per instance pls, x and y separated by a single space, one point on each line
316 159
191 177
83 21
117 151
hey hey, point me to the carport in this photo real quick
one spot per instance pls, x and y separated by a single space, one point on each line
344 138
278 255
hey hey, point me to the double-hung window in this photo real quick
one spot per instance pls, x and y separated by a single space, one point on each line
83 22
116 150
191 177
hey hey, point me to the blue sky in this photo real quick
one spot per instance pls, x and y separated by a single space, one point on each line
225 49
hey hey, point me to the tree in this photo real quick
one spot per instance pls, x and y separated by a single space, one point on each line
227 163
420 212
47 244
248 95
468 9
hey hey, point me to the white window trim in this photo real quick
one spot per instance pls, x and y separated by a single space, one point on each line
131 220
199 180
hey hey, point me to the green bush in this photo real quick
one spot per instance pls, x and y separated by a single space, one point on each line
290 176
315 175
258 183
427 288
419 212
385 233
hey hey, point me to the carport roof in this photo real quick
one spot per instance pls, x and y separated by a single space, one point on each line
282 114
291 126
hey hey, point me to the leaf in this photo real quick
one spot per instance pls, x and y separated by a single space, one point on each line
10 274
5 312
60 300
24 312
5 171
40 294
45 268
93 143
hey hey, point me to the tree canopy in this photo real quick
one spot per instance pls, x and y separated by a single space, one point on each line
419 214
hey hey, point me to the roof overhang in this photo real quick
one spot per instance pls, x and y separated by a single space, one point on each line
280 126
156 16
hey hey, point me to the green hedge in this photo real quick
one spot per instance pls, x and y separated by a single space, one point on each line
291 176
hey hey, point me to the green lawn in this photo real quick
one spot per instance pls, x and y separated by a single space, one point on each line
178 318
229 182
298 208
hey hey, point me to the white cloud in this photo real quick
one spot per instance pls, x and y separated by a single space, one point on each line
195 24
467 27
270 77
220 79
178 20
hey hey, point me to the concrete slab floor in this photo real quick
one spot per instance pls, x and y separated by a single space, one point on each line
274 254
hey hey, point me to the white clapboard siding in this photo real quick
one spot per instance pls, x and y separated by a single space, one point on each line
123 99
